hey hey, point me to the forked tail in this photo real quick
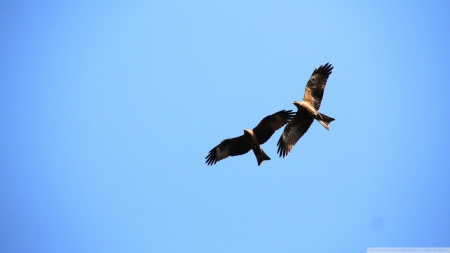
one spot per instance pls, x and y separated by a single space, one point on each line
260 155
324 120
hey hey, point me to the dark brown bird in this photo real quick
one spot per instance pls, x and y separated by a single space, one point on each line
307 111
251 139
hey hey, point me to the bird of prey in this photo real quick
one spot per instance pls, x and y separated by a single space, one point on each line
251 139
307 111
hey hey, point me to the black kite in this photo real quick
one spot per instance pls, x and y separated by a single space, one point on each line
307 111
251 139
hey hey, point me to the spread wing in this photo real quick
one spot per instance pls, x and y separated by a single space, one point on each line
316 86
293 131
228 147
265 129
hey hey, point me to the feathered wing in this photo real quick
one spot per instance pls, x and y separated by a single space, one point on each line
228 147
293 131
316 85
267 127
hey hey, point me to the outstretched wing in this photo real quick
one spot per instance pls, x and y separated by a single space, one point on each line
265 129
228 147
293 131
316 86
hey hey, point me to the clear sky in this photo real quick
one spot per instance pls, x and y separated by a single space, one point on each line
108 109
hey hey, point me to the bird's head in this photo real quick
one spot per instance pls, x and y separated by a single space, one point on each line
297 104
246 131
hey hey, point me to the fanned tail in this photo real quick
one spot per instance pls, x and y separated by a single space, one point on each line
324 120
260 155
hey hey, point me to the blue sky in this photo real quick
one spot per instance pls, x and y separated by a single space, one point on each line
108 109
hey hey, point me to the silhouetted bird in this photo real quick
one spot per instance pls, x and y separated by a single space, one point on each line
251 139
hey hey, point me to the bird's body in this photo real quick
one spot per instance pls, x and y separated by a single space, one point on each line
252 142
251 139
307 111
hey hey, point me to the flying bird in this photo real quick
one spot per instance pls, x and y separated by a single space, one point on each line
251 139
307 111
